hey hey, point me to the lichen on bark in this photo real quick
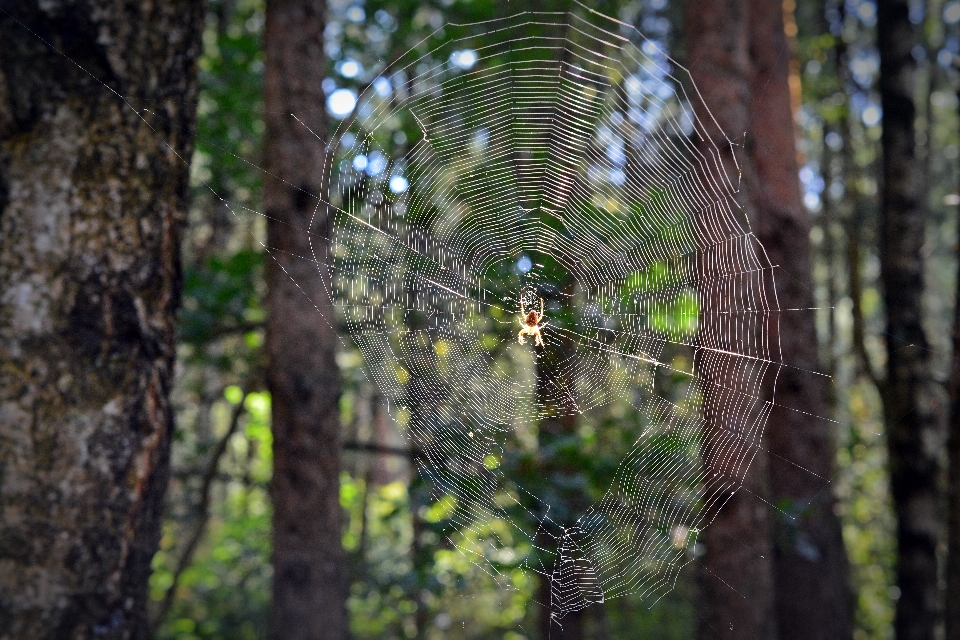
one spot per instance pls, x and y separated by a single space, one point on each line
92 200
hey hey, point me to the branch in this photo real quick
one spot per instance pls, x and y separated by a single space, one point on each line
225 331
380 449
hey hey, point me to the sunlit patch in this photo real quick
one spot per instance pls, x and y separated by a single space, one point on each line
341 103
349 68
465 58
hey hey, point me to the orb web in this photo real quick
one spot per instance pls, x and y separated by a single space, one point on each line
559 164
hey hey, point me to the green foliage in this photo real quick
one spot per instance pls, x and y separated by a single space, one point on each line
221 297
229 120
224 592
867 514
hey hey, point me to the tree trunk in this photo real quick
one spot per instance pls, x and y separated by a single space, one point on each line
911 422
736 576
92 203
953 496
813 599
310 565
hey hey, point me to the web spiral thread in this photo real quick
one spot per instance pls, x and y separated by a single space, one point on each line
569 164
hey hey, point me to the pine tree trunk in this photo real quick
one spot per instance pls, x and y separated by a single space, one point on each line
92 204
813 599
911 421
310 565
736 574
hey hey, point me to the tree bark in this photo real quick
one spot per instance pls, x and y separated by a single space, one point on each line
92 202
310 565
813 599
736 575
912 435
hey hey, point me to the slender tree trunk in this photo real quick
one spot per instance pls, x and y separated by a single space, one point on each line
92 203
813 600
310 565
736 576
555 624
953 498
560 423
421 554
911 422
829 256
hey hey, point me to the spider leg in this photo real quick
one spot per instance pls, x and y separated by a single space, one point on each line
541 307
539 341
520 336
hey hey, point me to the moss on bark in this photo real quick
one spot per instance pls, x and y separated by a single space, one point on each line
92 200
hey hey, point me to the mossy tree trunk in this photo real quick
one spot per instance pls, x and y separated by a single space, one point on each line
92 203
310 565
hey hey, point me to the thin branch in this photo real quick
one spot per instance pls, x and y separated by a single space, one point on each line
203 510
380 449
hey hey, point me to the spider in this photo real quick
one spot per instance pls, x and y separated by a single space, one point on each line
530 321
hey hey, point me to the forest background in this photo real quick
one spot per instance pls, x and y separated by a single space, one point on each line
212 575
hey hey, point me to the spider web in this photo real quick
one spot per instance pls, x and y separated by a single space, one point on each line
560 161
